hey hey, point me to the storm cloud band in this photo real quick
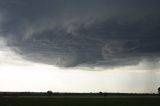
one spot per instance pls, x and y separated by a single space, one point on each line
83 33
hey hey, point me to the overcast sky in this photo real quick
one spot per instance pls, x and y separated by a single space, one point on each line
80 45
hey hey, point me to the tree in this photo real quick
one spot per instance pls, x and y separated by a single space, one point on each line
49 93
159 90
100 93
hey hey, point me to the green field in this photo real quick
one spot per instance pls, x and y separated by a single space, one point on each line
71 101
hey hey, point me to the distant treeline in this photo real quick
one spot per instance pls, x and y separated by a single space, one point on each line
49 93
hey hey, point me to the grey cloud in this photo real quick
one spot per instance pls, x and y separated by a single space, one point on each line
86 33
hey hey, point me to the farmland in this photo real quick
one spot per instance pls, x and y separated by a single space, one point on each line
80 101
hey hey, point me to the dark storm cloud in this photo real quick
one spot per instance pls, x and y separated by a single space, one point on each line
83 32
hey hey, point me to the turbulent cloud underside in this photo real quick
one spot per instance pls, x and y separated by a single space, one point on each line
101 33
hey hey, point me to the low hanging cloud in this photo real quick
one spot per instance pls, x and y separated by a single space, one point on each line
101 33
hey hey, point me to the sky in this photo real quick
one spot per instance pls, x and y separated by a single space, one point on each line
80 45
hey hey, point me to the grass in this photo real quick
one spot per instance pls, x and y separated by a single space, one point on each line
64 101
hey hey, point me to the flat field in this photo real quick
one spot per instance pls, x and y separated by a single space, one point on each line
79 101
